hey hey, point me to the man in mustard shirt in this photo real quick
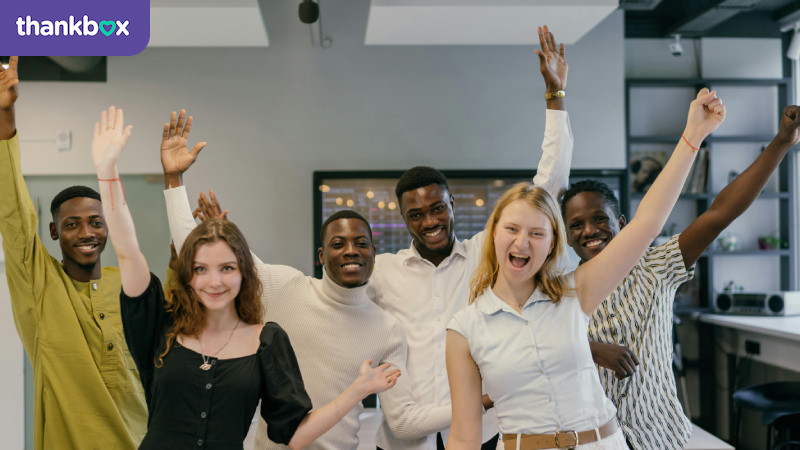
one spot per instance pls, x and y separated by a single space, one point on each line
86 387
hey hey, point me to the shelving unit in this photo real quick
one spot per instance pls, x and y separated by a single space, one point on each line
655 117
656 114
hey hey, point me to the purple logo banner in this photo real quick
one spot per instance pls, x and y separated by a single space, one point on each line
74 27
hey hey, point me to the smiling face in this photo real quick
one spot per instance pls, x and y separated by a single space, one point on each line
591 223
523 237
428 214
347 252
216 279
81 232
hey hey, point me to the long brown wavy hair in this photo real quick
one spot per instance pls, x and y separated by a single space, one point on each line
548 277
188 314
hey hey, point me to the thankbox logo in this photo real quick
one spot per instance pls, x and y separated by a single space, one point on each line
71 27
74 27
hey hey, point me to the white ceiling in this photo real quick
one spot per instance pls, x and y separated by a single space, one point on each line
206 23
239 23
481 22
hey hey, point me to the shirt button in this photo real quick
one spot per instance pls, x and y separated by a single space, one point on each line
208 386
102 316
110 346
203 415
94 286
199 442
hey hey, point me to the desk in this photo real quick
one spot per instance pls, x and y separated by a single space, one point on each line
778 337
724 340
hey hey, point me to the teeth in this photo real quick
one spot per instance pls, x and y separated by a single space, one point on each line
517 255
350 266
433 233
594 243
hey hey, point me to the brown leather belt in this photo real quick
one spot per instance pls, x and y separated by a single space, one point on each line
561 439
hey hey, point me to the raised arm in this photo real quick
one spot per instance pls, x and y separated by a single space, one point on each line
25 256
175 160
406 419
9 92
465 394
110 136
596 278
737 196
317 422
553 171
175 155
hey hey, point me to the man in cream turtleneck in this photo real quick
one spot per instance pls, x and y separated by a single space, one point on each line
332 324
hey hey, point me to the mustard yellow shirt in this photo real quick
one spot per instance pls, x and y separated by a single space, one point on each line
87 393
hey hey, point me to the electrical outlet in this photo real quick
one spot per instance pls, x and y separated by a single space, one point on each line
752 347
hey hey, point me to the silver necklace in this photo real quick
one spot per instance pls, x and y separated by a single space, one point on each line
206 365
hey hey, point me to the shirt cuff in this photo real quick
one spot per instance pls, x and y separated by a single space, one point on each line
556 120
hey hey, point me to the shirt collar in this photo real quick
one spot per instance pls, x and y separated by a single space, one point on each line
458 249
489 303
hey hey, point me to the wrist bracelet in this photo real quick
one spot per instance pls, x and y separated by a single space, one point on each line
694 149
557 94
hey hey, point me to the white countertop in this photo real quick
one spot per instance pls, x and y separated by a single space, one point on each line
787 327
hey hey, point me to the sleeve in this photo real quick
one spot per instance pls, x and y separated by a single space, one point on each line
144 324
26 259
456 325
553 171
181 223
406 419
284 401
666 261
179 215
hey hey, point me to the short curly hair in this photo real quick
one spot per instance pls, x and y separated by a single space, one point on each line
417 177
70 193
595 186
342 214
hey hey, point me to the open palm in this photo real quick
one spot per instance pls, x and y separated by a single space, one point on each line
175 155
110 136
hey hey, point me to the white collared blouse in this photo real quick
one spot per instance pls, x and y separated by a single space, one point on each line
536 366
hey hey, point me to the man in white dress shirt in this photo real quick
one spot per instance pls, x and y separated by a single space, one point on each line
423 286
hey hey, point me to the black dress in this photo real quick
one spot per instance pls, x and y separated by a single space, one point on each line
191 408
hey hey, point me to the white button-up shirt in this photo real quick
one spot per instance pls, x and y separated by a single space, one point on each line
424 297
536 365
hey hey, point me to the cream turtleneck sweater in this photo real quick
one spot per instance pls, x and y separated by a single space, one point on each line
332 330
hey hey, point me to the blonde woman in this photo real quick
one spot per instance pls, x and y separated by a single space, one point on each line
523 336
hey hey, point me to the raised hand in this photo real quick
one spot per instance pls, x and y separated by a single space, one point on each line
706 114
110 136
209 209
551 61
378 379
789 132
618 358
9 84
175 155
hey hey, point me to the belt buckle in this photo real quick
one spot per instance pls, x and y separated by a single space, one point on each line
570 439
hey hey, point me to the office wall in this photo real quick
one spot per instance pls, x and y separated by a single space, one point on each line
273 116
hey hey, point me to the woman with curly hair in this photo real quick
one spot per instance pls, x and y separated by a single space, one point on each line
524 335
205 357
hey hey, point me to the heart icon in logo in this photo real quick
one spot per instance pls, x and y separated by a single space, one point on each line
110 24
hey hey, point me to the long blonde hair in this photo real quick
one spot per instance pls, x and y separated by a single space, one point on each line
547 277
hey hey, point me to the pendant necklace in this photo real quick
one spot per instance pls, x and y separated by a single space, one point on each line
206 365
